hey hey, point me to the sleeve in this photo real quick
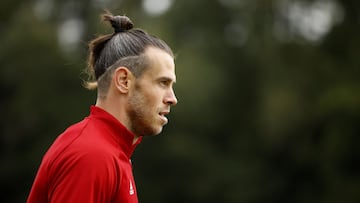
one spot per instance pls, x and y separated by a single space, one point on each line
38 189
88 178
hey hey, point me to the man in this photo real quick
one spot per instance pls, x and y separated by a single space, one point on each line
134 73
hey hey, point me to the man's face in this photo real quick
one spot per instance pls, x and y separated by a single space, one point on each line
152 94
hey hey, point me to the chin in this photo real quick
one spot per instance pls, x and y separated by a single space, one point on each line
157 128
157 132
153 131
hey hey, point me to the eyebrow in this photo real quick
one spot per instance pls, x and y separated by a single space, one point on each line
167 78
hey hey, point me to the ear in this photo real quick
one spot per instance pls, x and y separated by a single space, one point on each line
122 78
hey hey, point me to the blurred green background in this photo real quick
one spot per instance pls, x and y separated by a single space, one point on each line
269 102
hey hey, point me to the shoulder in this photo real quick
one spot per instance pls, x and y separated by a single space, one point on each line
80 146
93 172
87 153
84 139
88 164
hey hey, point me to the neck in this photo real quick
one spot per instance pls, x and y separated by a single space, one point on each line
118 111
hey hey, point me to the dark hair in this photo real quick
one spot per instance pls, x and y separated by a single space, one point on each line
124 47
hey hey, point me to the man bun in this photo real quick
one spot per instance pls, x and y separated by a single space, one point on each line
119 23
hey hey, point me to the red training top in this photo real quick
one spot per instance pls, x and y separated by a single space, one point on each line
88 163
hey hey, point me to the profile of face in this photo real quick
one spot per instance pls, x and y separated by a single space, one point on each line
152 94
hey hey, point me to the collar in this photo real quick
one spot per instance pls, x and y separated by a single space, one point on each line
119 132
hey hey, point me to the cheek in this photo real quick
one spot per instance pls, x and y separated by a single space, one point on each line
145 103
153 97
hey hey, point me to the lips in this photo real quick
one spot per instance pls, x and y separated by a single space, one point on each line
163 116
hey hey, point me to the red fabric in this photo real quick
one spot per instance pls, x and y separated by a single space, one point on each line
88 163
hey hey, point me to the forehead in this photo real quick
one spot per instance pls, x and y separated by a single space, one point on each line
161 64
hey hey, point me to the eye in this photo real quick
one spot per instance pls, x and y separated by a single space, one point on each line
164 83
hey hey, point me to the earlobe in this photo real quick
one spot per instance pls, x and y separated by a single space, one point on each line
122 79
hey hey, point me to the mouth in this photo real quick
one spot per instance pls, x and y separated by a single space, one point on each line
163 116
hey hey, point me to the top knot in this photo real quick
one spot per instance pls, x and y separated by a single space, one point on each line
119 23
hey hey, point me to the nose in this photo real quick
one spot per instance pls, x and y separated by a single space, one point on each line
170 98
